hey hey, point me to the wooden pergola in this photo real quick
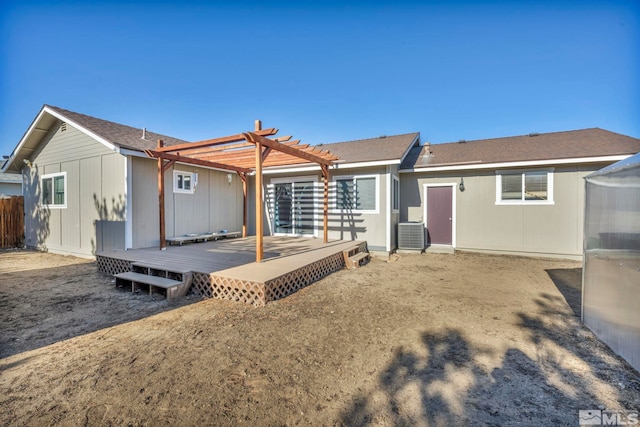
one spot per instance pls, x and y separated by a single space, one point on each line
244 153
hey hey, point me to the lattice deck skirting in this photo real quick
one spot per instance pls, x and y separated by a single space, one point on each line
201 285
112 266
259 294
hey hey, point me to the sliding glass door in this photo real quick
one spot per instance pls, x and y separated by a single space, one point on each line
294 207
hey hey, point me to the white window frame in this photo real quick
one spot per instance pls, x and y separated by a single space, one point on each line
293 180
522 201
194 181
52 177
334 203
395 194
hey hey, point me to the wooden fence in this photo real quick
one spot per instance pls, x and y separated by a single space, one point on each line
11 222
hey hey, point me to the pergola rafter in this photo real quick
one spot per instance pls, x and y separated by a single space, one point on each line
244 153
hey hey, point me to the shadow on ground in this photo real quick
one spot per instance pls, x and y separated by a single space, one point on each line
569 283
39 307
447 381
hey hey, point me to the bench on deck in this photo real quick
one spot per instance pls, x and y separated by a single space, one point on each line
204 237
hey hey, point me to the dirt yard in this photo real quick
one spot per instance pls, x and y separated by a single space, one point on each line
425 340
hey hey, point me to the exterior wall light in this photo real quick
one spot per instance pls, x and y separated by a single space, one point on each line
461 184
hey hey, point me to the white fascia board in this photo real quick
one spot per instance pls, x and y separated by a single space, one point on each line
133 153
365 164
84 130
335 166
314 167
24 138
536 163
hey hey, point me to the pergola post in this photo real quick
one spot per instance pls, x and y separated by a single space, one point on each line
259 207
163 241
230 153
245 201
325 202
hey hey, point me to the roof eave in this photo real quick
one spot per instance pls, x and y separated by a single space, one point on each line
16 154
524 163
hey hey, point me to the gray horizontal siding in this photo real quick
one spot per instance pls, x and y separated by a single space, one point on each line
67 144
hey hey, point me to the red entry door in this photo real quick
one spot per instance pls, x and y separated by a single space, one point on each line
439 216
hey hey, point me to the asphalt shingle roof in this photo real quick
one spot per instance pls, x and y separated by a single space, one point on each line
593 142
120 135
372 149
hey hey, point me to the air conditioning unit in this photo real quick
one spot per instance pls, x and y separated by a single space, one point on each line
411 235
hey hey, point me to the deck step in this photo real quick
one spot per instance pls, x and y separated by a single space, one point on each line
353 257
138 281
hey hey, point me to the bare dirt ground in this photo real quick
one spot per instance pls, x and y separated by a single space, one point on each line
431 339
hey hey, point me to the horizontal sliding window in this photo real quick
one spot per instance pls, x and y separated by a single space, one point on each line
528 187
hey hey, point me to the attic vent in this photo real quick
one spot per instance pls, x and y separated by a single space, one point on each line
63 126
462 141
382 136
532 134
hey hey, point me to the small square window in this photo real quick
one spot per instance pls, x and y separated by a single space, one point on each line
184 182
54 190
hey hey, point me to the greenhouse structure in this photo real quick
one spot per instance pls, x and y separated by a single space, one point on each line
611 269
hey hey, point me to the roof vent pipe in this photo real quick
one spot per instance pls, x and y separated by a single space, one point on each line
144 133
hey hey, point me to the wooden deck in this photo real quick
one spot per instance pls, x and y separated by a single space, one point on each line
226 269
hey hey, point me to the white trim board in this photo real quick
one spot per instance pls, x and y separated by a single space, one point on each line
474 166
336 166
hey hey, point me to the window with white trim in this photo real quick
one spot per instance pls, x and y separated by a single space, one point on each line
357 193
54 190
524 187
184 182
395 193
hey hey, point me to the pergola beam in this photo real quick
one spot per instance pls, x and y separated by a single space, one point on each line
233 153
259 139
238 156
216 141
199 162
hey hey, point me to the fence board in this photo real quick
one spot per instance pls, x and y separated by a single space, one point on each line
11 222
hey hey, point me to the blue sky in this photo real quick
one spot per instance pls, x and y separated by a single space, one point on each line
324 72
